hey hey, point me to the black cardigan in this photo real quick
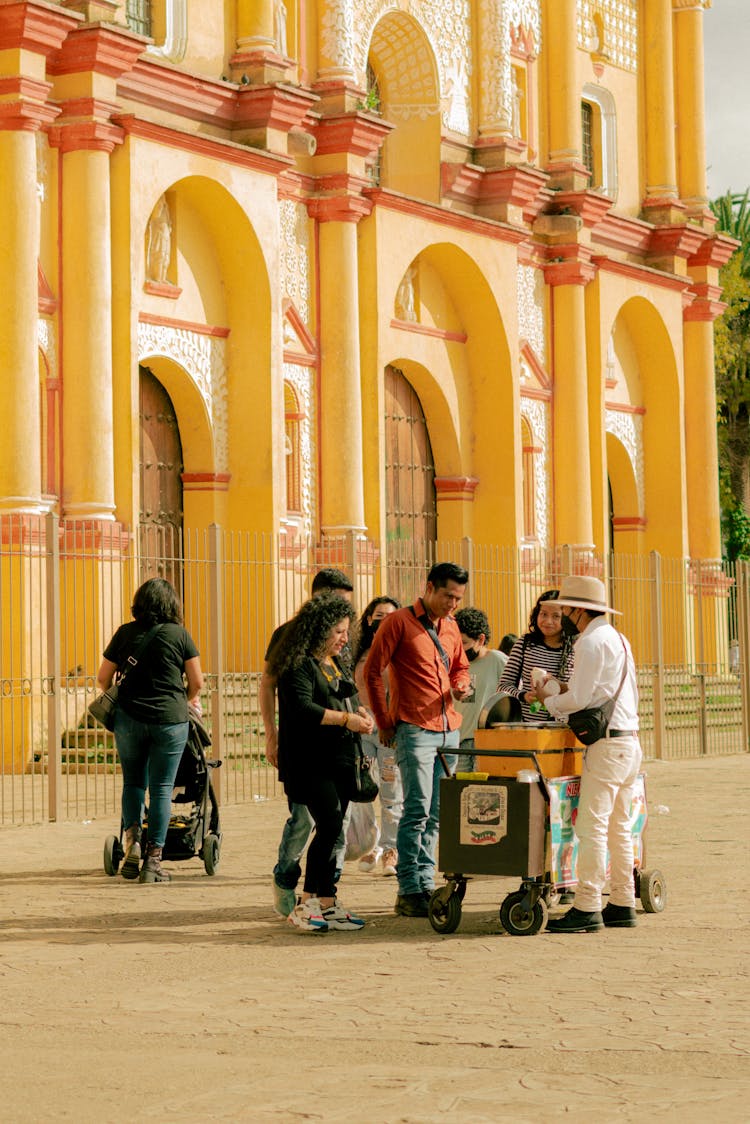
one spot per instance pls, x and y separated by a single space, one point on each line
308 751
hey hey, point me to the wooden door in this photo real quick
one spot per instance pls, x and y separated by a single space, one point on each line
160 482
411 507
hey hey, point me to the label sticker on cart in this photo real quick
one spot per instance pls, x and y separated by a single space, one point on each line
484 814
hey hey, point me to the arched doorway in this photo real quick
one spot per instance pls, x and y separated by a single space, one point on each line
160 482
411 504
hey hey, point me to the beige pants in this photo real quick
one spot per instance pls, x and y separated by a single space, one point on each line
610 768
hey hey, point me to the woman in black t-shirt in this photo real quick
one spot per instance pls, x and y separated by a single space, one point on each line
151 720
315 745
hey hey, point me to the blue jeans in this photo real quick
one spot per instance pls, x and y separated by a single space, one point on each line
466 756
421 770
391 792
294 838
149 756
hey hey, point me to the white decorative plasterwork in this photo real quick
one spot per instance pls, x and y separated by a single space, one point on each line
497 19
302 381
203 357
618 20
295 255
628 429
536 414
531 308
48 345
346 33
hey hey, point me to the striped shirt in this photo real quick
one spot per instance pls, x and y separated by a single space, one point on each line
516 680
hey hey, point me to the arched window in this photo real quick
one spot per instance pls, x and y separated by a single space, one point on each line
292 424
599 139
529 452
138 15
162 20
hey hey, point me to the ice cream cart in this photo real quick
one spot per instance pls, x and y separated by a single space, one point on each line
515 815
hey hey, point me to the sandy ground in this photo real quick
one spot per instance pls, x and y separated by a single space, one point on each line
192 1002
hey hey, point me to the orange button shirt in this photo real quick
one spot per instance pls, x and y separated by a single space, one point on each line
420 685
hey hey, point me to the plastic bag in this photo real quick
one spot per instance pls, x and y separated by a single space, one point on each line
363 832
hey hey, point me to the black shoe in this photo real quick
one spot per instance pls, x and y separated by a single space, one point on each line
427 894
619 916
411 905
576 921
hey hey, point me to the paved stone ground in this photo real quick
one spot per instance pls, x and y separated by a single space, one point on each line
191 1002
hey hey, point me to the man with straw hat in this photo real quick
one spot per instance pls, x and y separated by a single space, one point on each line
603 670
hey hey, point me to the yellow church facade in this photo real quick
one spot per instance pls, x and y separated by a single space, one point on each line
283 218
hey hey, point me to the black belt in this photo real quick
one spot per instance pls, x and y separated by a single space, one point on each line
621 734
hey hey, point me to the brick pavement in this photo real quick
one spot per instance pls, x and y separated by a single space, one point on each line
191 1001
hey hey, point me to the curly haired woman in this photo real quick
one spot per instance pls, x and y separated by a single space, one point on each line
316 746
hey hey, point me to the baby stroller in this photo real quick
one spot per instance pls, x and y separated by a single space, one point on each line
194 831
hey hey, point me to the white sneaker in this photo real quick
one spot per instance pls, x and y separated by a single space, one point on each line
368 862
336 917
308 917
390 858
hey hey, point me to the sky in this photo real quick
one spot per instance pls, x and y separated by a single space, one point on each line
727 57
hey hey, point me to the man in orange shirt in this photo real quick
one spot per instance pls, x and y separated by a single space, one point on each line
421 646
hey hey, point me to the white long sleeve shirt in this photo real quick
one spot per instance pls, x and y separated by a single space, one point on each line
597 671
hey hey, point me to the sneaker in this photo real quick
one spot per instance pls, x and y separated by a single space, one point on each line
308 917
284 900
337 917
411 905
390 858
368 862
619 916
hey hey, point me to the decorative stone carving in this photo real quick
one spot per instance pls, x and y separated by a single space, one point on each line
498 17
536 414
301 379
279 27
405 307
531 308
295 255
346 33
159 242
628 429
204 359
610 27
47 341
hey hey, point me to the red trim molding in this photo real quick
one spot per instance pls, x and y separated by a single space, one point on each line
571 265
428 330
533 360
47 301
226 152
646 274
40 28
162 289
624 408
99 48
206 481
716 251
360 134
456 487
184 325
456 220
629 523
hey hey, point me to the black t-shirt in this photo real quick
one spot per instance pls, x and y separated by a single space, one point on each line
153 690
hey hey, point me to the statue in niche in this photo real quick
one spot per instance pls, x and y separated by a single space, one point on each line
279 26
159 242
404 303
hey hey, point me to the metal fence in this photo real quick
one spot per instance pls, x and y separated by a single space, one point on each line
65 589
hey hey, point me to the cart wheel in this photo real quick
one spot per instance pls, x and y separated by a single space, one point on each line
112 855
445 916
652 891
517 921
211 853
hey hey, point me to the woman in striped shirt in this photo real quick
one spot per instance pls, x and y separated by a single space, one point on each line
548 644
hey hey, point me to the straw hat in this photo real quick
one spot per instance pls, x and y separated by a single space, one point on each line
580 591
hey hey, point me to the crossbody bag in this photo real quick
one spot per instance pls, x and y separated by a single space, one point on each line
104 706
591 724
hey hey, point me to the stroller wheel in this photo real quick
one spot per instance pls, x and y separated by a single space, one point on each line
112 855
211 853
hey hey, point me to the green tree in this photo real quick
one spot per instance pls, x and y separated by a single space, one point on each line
732 360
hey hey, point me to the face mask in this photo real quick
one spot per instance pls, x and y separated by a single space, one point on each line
573 627
375 625
471 654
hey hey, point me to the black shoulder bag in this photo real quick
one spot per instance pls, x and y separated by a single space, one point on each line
591 724
104 706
